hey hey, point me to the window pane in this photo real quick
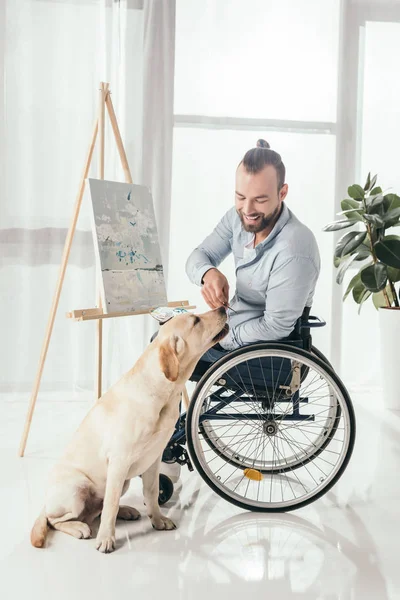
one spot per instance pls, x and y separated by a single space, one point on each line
380 104
260 58
203 190
380 131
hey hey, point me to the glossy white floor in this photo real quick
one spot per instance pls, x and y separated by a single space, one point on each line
344 546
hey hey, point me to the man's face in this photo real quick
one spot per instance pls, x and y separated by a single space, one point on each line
257 199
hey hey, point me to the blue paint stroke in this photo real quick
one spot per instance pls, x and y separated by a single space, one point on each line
121 254
129 196
131 255
132 223
140 279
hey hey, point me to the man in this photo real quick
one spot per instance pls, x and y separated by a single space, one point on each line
276 257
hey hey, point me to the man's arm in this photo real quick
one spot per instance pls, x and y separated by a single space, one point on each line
288 290
211 251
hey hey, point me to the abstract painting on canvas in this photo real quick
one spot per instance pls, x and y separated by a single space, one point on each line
126 246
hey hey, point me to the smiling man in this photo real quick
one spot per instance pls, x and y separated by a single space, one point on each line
276 257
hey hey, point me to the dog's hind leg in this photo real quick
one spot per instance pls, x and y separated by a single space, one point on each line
78 529
67 509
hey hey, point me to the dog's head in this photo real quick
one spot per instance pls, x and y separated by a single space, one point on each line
184 339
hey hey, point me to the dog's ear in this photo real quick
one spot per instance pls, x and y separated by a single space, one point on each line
168 355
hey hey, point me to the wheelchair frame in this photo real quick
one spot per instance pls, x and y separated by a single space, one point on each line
300 338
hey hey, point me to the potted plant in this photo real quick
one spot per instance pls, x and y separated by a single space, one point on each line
370 213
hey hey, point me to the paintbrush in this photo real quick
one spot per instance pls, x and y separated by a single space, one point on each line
230 307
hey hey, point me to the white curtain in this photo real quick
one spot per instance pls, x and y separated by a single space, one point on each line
53 55
311 77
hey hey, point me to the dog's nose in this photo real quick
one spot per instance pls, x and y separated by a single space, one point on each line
222 310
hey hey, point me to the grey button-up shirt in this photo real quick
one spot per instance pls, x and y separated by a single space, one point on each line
275 281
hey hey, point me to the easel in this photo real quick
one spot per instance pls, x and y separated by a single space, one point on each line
91 313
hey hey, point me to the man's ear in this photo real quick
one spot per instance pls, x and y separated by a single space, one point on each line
283 192
168 356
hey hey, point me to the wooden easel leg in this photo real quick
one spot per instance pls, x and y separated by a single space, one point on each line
53 311
99 353
118 139
99 327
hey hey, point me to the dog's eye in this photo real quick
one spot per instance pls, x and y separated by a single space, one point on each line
196 320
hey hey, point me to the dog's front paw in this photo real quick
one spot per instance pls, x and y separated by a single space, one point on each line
160 523
105 543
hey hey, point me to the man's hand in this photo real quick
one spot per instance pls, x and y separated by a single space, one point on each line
215 290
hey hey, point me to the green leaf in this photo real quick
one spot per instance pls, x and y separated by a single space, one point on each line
354 281
376 220
336 225
379 299
348 204
374 277
362 254
352 209
349 242
391 217
364 297
368 182
388 251
353 214
343 268
359 290
359 255
373 181
393 274
356 192
394 200
375 191
375 201
352 244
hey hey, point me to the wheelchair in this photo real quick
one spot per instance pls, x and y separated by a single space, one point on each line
270 426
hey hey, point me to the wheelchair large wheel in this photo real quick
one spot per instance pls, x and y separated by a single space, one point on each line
264 436
211 430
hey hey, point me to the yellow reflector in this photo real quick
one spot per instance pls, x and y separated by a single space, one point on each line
253 474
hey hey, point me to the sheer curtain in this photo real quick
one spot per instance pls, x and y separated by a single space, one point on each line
54 53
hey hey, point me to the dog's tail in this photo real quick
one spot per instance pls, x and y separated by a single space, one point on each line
39 530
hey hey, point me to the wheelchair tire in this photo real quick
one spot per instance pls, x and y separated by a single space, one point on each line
321 447
345 414
166 489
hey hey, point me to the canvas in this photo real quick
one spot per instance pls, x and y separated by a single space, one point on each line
127 247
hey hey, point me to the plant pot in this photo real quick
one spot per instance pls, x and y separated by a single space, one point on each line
389 341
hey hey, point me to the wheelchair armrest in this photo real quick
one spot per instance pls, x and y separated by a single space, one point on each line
312 321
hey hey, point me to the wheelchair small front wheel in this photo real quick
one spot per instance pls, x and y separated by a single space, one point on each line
166 489
265 437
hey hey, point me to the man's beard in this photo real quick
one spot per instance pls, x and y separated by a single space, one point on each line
262 223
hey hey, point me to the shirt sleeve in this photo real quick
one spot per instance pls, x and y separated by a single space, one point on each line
211 251
287 293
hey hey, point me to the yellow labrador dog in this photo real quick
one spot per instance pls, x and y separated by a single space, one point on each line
124 435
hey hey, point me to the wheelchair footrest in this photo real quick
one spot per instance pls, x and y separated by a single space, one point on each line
177 453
